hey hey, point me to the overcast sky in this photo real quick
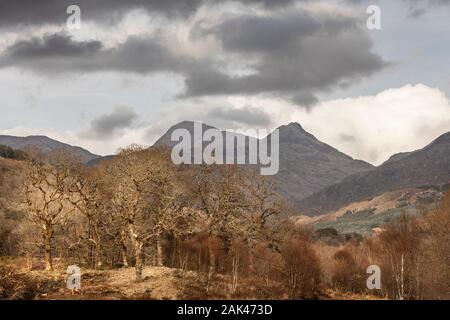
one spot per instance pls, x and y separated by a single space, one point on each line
137 67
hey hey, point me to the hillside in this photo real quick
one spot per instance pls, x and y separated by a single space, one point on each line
9 184
306 164
429 166
45 145
369 216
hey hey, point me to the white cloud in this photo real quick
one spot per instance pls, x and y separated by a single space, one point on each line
371 128
395 120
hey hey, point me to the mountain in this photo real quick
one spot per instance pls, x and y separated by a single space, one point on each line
45 145
307 165
426 167
165 139
98 160
396 157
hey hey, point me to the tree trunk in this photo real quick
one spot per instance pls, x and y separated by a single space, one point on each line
159 251
124 256
139 262
98 249
137 250
212 259
212 265
98 257
251 258
91 246
48 248
123 249
402 279
235 272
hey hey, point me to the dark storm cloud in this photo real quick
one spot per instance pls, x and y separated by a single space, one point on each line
32 12
59 53
305 99
248 116
297 53
39 12
260 34
105 126
271 3
53 45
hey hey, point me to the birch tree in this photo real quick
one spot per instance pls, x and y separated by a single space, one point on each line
400 243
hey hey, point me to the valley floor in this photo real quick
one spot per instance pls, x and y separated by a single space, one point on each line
160 283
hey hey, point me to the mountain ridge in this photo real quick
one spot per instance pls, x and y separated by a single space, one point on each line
45 144
315 176
306 164
429 166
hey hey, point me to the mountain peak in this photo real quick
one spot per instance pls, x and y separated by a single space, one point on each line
189 125
294 126
294 133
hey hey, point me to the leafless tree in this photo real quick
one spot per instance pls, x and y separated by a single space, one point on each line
301 269
218 197
436 257
400 243
88 194
144 194
45 191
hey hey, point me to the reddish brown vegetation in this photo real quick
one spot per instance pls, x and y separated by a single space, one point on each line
219 228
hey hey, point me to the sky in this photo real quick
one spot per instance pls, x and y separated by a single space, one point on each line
135 68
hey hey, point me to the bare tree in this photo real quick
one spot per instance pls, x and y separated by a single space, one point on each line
301 269
400 242
143 193
347 276
263 205
45 190
436 247
217 195
88 194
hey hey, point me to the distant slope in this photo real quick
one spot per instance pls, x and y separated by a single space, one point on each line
45 145
366 216
10 172
306 164
429 166
396 157
99 160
